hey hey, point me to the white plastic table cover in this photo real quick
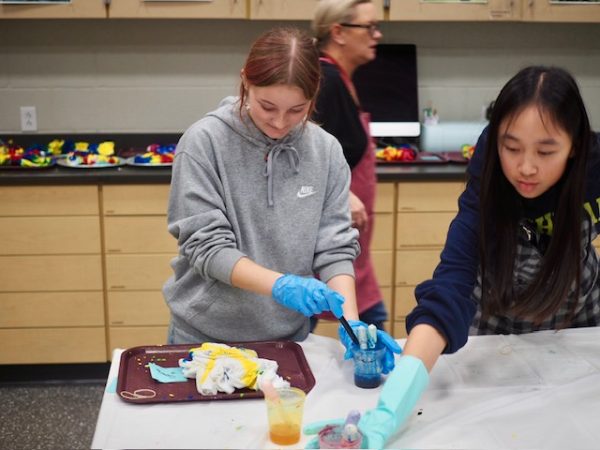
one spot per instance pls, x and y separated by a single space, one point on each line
533 391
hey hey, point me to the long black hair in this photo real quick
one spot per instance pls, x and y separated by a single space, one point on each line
554 92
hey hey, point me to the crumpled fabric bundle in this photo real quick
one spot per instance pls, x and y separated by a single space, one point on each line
222 368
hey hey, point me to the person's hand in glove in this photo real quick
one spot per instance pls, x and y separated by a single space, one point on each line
390 344
398 397
308 296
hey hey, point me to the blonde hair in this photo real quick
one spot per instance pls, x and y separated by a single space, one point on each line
330 12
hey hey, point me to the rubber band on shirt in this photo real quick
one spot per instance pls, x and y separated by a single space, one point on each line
138 394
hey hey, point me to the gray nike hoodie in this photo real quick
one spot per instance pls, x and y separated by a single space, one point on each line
282 203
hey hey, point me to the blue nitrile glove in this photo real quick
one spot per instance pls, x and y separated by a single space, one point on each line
398 397
390 344
306 295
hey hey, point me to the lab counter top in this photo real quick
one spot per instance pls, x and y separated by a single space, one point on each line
58 175
421 172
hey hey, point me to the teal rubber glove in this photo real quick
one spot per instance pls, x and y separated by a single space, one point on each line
390 344
399 395
308 296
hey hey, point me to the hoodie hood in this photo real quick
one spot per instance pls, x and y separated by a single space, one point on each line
271 149
228 111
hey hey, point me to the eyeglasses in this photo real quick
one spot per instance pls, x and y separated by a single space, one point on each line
372 28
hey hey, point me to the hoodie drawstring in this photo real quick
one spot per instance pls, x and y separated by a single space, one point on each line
274 152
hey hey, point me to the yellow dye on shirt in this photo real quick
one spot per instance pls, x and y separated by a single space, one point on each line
243 355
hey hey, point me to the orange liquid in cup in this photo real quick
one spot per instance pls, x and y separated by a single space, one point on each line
284 413
284 434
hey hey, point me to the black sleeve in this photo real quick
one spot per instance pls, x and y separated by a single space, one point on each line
337 114
444 301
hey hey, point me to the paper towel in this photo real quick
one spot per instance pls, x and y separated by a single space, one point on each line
449 136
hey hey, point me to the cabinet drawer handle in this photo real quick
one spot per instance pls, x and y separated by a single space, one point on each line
118 287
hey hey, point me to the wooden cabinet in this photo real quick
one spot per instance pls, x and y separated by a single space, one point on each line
419 197
561 11
136 200
30 235
424 212
382 242
291 9
75 9
382 254
51 288
455 10
151 235
73 255
56 201
138 250
430 233
399 10
209 9
282 9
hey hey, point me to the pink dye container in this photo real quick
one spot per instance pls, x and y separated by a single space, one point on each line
331 437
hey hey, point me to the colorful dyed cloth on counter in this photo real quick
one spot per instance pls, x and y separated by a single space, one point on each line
222 368
86 154
15 155
157 154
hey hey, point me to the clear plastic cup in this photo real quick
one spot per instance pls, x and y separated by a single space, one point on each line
285 412
368 366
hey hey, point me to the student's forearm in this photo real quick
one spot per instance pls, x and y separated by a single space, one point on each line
425 343
248 275
344 284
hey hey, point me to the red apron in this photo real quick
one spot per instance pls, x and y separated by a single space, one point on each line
363 185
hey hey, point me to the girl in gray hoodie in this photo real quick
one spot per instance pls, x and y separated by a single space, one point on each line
259 204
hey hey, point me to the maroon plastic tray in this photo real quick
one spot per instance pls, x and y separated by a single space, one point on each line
420 158
136 385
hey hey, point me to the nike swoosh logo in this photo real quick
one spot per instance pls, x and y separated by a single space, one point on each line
306 194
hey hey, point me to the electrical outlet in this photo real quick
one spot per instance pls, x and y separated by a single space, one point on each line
28 118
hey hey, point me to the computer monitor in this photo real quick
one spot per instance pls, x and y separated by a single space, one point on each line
387 88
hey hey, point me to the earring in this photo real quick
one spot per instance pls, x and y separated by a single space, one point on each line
247 106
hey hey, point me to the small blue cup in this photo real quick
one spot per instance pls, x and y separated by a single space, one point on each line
368 366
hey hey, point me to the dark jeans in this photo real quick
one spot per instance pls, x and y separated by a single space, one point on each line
375 315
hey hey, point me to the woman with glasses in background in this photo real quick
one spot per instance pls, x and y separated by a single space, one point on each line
347 37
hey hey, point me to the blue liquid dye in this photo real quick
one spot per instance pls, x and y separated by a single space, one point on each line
367 381
368 367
